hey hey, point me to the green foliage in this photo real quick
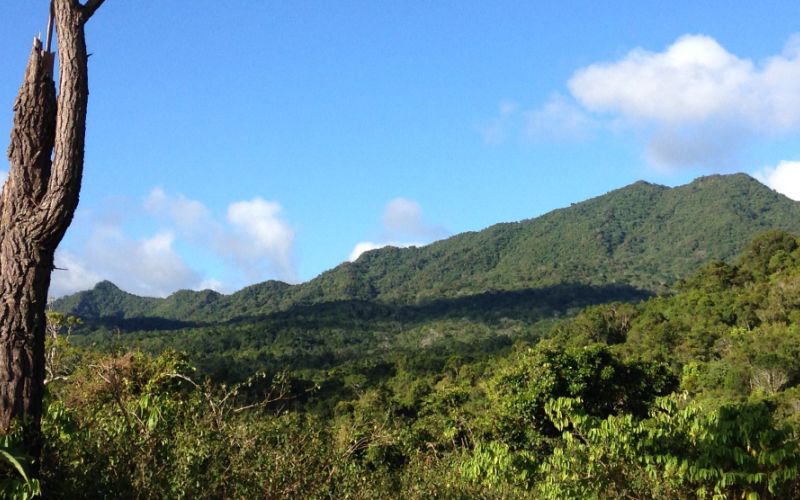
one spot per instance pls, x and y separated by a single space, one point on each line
15 480
475 294
141 427
643 235
331 345
496 467
681 451
768 253
692 393
606 324
604 384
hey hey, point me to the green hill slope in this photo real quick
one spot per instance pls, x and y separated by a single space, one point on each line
643 235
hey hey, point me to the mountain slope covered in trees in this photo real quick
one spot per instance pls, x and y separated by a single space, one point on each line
694 394
327 324
510 380
643 235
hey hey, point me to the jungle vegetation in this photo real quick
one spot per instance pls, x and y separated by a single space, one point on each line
585 388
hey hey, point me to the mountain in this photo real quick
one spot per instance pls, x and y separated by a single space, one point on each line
106 300
644 236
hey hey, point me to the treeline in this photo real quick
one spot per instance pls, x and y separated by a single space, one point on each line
364 338
690 394
642 235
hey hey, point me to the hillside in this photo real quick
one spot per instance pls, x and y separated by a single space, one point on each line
643 235
694 394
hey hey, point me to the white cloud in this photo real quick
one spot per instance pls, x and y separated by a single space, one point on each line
155 267
559 118
694 79
264 239
254 237
212 284
402 218
188 215
254 242
696 102
71 275
783 178
366 246
403 226
148 266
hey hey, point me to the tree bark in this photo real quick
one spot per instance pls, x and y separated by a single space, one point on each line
36 207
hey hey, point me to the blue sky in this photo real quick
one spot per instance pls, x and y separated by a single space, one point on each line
233 142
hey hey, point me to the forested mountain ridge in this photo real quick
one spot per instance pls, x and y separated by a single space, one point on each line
642 235
694 394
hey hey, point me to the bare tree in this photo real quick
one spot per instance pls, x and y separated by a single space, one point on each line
768 380
36 207
57 333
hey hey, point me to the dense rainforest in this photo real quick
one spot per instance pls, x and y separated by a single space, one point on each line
670 369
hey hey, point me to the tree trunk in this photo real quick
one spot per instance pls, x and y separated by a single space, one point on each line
36 207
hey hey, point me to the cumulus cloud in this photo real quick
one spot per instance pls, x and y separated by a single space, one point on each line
188 215
403 226
154 265
264 240
783 178
252 242
695 101
694 79
254 237
364 246
402 215
212 284
71 275
147 266
558 119
403 218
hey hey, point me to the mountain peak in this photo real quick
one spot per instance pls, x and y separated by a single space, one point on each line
644 183
643 235
737 179
106 286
